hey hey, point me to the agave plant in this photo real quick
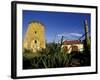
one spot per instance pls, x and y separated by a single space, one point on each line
51 57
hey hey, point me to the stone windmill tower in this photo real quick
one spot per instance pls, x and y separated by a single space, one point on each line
34 39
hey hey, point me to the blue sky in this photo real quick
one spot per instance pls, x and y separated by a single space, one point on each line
70 25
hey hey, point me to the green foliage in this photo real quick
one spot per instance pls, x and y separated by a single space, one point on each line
52 57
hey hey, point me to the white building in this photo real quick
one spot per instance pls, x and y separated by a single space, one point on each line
72 45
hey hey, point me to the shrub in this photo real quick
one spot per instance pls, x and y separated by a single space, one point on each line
52 57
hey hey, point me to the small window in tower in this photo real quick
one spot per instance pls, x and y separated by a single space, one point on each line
35 41
35 32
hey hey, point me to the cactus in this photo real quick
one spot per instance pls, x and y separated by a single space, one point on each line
62 40
87 39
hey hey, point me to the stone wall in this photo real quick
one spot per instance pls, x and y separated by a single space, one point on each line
35 37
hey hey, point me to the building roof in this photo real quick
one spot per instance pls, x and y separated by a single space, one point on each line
69 42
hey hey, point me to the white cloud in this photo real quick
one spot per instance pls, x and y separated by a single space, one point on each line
70 34
63 34
76 34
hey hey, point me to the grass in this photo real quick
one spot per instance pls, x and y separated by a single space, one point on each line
53 57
